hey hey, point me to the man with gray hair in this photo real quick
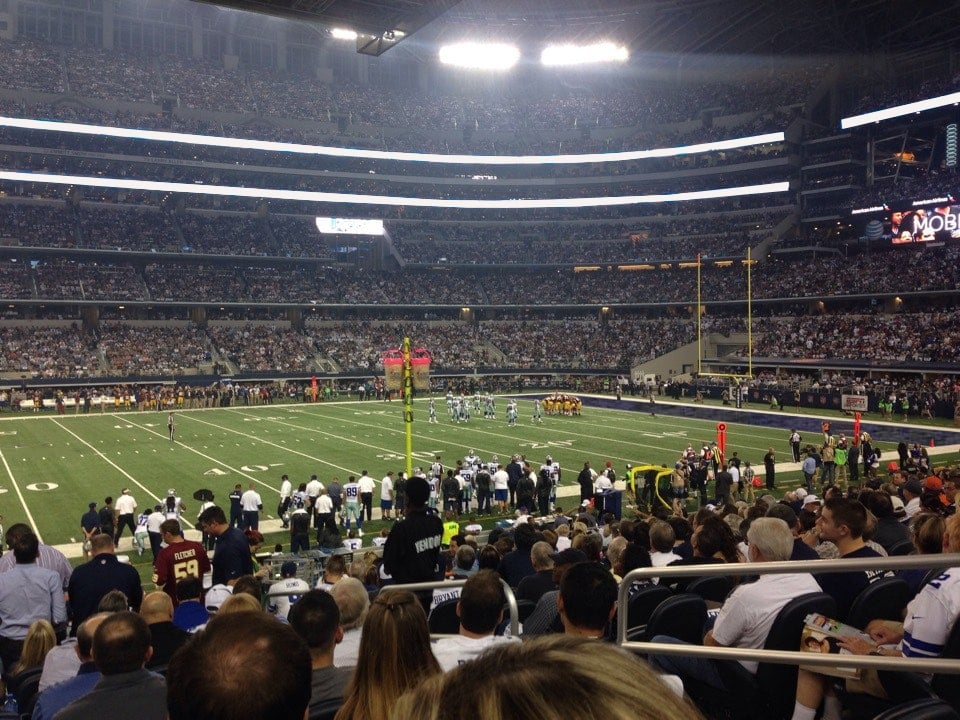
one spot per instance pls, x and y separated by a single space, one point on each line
353 600
749 611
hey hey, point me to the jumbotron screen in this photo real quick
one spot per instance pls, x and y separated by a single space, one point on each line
911 221
349 226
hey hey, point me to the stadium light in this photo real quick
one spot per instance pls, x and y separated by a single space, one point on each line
899 110
343 34
555 55
273 146
480 56
355 199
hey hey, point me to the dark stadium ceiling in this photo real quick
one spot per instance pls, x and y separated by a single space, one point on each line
794 27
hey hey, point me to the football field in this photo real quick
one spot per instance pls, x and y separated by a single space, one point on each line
53 466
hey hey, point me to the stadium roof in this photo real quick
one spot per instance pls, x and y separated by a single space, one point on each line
767 27
387 22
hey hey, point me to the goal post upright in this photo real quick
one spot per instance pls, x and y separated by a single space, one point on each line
699 321
748 262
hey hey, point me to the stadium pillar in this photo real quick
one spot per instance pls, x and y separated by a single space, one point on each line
91 316
198 316
108 16
295 316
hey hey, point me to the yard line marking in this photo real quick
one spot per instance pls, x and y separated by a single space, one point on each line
119 469
212 459
272 444
23 500
511 439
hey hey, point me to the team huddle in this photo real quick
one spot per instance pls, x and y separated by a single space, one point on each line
461 408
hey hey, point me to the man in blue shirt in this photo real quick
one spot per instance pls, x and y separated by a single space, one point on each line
809 469
28 592
231 554
90 526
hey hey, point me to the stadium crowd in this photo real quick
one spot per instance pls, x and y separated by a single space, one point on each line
344 625
175 348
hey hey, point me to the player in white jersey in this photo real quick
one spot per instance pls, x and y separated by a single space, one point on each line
538 411
432 411
472 460
553 468
285 592
434 491
436 468
450 409
351 504
493 465
512 413
490 408
465 409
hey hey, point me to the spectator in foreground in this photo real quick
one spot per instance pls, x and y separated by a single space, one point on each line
395 655
316 619
750 610
28 592
56 697
927 624
121 648
37 644
165 637
97 577
577 675
257 669
480 609
587 600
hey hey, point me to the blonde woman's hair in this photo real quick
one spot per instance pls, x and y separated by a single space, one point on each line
239 602
395 654
40 639
553 677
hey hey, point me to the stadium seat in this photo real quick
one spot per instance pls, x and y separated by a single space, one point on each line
680 616
443 618
325 710
885 599
768 695
28 689
905 687
712 589
641 606
904 547
924 709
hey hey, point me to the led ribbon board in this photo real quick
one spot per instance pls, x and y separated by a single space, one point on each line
899 110
354 199
273 146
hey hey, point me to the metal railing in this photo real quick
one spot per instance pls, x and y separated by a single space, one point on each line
784 657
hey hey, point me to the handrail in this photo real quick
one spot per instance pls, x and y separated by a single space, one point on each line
433 584
786 657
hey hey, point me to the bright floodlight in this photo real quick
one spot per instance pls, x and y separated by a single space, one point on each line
583 54
342 34
480 56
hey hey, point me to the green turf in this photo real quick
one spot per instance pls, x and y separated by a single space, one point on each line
51 467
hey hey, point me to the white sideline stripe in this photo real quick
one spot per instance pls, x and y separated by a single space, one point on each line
203 455
119 469
23 500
